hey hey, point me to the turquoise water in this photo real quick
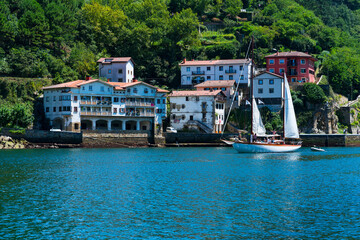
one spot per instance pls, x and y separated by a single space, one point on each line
179 193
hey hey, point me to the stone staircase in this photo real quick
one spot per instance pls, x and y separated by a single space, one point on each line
202 126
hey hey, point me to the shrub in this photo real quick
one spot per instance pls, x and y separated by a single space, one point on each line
313 93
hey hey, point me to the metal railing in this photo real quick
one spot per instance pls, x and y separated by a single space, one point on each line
95 102
140 104
96 113
230 71
198 73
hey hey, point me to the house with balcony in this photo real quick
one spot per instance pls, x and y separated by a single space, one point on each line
298 66
116 69
201 110
195 71
104 106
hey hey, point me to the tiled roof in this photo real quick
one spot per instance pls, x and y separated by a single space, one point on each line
214 62
116 85
216 83
115 60
289 54
274 74
194 93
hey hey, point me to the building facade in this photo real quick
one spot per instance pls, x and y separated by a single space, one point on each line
195 72
268 90
203 109
298 66
98 105
116 69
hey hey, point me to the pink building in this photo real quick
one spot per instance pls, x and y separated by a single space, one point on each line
298 66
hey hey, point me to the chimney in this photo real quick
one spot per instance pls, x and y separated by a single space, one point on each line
184 61
277 53
87 78
108 80
135 80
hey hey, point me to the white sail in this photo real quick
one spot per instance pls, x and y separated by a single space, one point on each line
257 124
291 129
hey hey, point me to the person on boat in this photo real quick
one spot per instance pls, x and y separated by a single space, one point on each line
255 137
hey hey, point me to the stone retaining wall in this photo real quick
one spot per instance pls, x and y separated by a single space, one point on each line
195 137
331 140
117 139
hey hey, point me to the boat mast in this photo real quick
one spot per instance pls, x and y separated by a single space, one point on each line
284 102
251 82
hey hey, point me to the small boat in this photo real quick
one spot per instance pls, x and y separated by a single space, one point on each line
316 149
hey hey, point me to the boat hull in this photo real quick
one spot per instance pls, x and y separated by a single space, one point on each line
264 148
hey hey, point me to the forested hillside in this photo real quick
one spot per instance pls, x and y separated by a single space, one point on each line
62 39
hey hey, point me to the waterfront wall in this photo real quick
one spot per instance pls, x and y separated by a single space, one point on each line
331 140
39 136
117 139
195 137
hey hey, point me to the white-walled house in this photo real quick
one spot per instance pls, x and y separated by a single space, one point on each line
203 109
268 87
195 72
98 105
117 69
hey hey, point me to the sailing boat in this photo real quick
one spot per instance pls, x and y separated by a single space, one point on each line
258 129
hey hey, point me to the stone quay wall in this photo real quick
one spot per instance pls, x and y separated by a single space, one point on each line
331 140
40 136
109 139
196 137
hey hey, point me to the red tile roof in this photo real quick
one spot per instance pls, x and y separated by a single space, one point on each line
290 54
216 83
214 62
115 60
194 93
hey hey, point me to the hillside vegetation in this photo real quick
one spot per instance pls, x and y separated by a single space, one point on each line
62 39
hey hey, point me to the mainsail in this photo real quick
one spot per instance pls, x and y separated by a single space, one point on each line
291 129
257 124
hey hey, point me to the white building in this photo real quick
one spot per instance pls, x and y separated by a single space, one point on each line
268 87
195 72
99 105
117 69
203 109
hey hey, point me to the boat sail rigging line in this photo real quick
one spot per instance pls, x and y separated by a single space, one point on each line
270 143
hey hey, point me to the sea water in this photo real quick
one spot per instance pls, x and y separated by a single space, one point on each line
179 193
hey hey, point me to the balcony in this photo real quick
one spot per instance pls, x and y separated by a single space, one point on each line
198 73
292 73
291 63
95 113
97 103
230 71
139 104
132 114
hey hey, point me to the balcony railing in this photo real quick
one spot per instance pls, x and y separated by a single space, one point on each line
132 114
292 73
230 71
140 104
96 113
198 73
292 63
102 103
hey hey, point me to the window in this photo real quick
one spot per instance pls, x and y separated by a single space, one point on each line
191 117
135 90
47 109
120 79
109 71
303 79
115 110
75 98
241 68
302 61
208 68
231 77
281 70
223 89
75 109
90 88
208 78
271 81
261 82
186 98
54 110
281 61
158 101
203 105
204 117
128 90
122 110
215 88
163 100
198 69
54 98
128 71
260 90
221 77
102 89
120 71
83 88
47 99
197 98
188 79
116 99
271 70
303 70
293 79
188 69
311 72
182 106
206 88
221 68
59 109
242 77
146 90
271 61
271 90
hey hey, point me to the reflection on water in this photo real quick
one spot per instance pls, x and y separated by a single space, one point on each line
179 193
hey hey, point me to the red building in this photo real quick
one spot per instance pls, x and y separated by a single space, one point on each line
298 66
